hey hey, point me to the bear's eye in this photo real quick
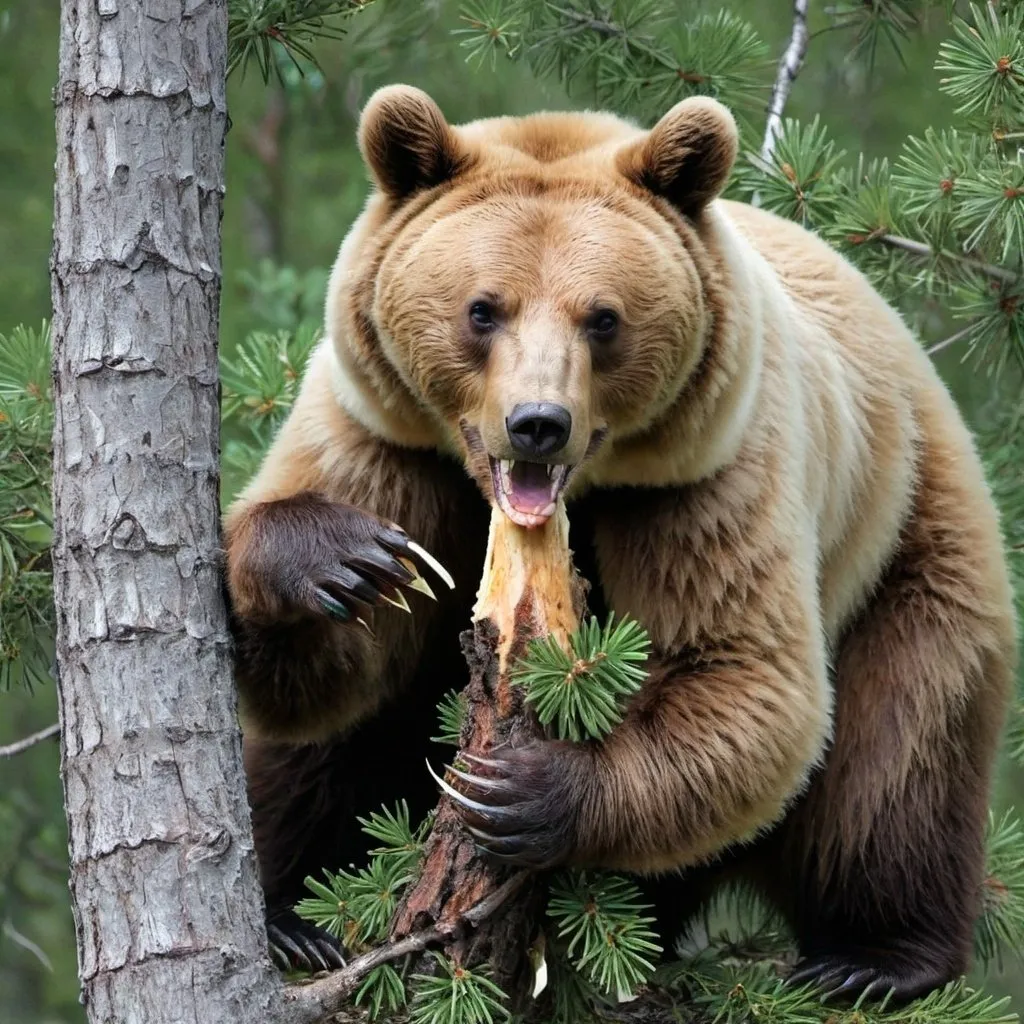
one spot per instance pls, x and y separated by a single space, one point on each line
481 315
603 325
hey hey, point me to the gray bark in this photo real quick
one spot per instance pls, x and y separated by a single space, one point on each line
167 905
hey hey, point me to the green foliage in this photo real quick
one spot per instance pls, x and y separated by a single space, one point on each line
633 55
1001 924
382 991
259 30
451 713
947 224
985 66
877 21
603 933
26 423
457 995
798 181
738 977
584 690
403 845
356 906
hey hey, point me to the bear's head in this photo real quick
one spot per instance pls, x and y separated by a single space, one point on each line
526 292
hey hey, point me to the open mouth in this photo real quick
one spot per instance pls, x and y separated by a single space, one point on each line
528 492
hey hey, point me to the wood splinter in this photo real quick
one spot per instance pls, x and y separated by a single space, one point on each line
529 589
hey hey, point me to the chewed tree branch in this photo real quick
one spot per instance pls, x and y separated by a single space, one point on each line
29 741
789 68
316 1000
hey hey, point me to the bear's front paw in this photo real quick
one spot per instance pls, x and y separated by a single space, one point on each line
305 555
522 805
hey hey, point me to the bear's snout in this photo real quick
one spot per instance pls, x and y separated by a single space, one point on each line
538 429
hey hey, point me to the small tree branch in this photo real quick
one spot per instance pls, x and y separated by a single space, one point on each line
30 741
939 346
925 250
789 68
317 999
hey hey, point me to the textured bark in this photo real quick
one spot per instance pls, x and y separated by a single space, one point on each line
167 905
529 589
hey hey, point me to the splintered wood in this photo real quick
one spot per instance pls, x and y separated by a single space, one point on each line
528 589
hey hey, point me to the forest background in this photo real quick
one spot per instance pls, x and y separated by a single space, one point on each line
294 184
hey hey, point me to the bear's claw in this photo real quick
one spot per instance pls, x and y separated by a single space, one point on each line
375 572
523 812
299 945
850 977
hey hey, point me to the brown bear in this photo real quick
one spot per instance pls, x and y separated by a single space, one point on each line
760 465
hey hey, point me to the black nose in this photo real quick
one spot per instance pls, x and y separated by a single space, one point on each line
538 428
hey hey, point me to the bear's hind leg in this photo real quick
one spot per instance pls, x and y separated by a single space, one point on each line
305 800
885 852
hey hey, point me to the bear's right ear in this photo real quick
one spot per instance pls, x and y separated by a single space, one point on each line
406 142
687 156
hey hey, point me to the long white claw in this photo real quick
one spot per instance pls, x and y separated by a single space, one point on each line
433 563
418 582
473 805
479 781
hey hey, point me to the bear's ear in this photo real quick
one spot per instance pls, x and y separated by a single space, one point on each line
687 156
406 142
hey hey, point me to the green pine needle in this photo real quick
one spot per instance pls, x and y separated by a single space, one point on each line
799 183
356 907
984 65
607 939
26 427
402 844
457 995
1000 927
451 713
266 30
262 380
636 56
877 21
384 991
584 691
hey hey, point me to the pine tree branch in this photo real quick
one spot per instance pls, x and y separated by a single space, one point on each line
926 251
609 30
30 741
940 346
789 67
315 1000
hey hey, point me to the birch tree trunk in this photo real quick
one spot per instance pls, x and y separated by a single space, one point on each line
167 905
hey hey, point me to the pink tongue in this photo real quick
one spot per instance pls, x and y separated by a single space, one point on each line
531 487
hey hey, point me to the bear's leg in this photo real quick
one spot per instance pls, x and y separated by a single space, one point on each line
305 800
885 852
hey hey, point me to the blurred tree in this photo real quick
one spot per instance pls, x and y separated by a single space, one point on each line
935 221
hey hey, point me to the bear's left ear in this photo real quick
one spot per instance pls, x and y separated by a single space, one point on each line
406 142
687 156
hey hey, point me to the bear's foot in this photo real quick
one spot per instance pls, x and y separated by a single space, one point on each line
847 976
297 945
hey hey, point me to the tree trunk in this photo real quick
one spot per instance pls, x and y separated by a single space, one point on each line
167 905
529 589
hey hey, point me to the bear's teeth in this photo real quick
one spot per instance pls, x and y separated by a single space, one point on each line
551 469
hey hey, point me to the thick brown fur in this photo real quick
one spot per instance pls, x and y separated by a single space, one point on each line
769 475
